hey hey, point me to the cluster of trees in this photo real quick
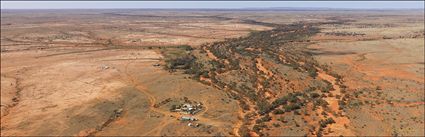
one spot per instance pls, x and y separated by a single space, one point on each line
327 88
265 118
289 102
323 124
320 102
178 58
189 64
184 62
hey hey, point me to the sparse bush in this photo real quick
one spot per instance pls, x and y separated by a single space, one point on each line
341 104
324 123
278 111
205 74
355 103
320 102
293 99
265 118
292 107
263 107
258 127
327 88
279 101
186 47
324 113
244 131
216 65
314 95
243 105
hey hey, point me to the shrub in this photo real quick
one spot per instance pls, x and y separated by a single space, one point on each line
293 99
321 102
266 118
279 101
244 105
328 87
205 74
186 47
259 127
324 123
263 107
292 107
314 95
278 111
216 65
244 131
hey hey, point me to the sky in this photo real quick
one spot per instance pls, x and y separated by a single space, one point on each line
209 4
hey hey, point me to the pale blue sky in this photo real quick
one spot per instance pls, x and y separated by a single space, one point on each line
208 4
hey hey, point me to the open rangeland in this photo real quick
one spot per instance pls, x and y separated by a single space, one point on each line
194 72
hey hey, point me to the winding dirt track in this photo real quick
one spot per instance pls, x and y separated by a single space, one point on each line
152 100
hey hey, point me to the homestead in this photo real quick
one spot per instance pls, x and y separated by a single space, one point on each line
187 108
188 118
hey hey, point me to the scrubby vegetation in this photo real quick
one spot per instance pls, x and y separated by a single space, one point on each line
281 46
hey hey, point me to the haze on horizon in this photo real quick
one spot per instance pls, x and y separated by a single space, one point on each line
210 4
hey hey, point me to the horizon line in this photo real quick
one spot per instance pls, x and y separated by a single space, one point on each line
208 5
214 8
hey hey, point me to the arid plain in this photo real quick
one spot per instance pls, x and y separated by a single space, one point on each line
256 72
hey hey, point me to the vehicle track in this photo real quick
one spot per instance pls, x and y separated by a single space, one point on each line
152 100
